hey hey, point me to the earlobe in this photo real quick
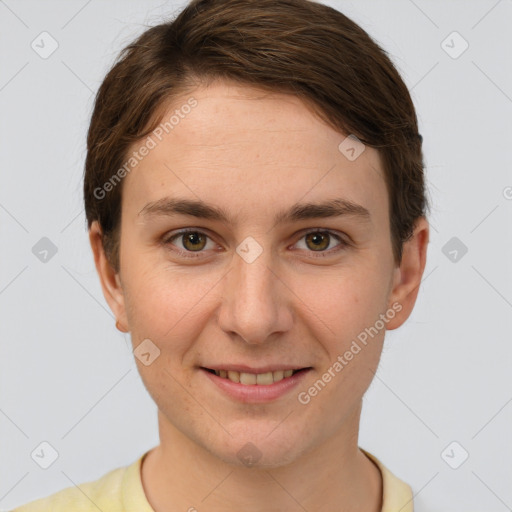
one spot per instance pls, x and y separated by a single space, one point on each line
109 279
407 278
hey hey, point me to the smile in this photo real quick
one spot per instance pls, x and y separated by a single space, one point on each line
265 385
248 379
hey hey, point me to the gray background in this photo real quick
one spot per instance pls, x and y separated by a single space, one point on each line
68 377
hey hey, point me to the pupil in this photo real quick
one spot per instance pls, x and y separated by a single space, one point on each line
193 239
319 240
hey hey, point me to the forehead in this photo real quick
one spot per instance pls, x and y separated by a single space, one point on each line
249 150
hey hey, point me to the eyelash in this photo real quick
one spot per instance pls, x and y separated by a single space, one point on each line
196 254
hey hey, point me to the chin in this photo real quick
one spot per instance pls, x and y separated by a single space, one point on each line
267 447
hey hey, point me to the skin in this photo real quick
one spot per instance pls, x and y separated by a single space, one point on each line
254 154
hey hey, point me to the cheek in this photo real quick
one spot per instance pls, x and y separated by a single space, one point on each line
345 324
343 301
164 304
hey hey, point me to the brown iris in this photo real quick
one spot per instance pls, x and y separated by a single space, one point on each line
320 240
192 240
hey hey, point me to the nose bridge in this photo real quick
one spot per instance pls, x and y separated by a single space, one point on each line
253 305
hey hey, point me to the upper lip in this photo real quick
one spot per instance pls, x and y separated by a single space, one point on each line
243 368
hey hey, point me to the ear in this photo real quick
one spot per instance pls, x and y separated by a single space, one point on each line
407 277
109 279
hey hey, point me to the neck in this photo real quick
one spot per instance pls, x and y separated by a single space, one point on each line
180 475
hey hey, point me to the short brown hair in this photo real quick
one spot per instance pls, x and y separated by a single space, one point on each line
298 47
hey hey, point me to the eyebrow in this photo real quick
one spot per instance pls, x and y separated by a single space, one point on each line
169 206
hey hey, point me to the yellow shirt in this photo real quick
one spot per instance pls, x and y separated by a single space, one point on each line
121 490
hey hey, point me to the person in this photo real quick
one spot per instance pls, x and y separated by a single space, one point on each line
255 199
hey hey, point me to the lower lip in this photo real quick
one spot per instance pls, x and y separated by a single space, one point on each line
256 393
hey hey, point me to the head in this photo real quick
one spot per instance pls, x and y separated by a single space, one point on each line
250 110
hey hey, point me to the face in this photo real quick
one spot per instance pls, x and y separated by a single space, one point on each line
262 280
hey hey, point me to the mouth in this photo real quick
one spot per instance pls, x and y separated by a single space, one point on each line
251 379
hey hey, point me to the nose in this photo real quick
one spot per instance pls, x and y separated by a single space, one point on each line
256 303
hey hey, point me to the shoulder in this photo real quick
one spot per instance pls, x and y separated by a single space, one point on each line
104 494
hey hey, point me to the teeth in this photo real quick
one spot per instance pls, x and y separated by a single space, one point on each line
234 376
265 378
248 378
277 376
252 378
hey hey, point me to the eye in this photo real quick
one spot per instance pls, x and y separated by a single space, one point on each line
319 240
194 241
191 240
